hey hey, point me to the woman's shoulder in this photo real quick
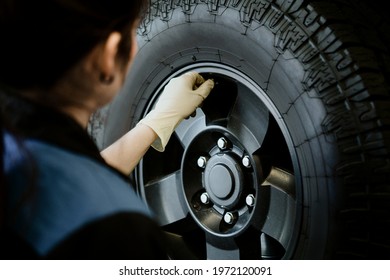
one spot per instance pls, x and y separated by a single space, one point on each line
78 176
82 177
69 191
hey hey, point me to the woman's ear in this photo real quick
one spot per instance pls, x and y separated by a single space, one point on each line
107 63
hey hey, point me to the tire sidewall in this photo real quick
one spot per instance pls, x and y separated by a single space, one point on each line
171 45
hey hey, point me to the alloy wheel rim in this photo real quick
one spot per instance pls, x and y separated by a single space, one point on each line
227 191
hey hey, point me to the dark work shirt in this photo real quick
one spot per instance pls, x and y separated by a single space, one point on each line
64 201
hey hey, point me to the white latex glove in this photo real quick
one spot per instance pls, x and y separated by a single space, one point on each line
180 98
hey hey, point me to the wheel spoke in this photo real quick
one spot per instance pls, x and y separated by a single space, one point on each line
248 119
249 244
271 249
178 248
244 247
277 197
221 248
281 180
190 127
164 196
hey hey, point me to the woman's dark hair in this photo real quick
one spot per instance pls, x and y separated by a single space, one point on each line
41 40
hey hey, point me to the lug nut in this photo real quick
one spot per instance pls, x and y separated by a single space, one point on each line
202 161
222 143
246 162
204 198
228 218
250 200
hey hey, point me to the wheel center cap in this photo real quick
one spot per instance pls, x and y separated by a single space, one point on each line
223 180
220 181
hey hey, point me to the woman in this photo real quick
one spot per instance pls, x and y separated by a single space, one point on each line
61 198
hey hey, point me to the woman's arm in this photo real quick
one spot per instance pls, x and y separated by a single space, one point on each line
179 100
127 151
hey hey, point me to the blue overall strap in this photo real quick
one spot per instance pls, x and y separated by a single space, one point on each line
70 191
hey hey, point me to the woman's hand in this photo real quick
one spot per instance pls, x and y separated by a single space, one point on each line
178 101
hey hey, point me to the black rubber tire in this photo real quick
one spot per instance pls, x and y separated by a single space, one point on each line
325 66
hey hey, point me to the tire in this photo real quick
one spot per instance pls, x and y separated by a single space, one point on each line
288 158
